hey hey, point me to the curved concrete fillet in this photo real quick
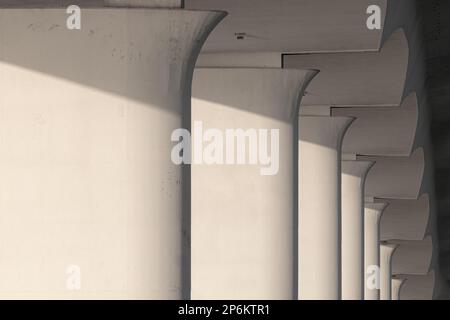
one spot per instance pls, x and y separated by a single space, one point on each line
82 183
397 284
413 257
320 140
395 177
372 215
353 179
399 14
243 223
403 15
405 219
419 287
381 131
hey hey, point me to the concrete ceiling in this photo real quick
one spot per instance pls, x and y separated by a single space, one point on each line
291 25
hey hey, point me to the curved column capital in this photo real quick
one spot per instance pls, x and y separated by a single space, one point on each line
324 131
355 171
227 224
397 284
320 140
230 87
373 211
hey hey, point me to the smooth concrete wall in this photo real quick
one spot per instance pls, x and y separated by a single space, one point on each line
87 182
243 223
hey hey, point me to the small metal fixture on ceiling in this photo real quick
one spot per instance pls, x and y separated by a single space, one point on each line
243 35
240 35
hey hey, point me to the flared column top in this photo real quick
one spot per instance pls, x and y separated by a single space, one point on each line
271 92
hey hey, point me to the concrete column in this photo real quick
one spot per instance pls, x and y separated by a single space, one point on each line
86 127
353 179
386 251
244 243
320 140
397 284
372 215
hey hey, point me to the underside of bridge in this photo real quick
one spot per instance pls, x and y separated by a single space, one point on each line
225 149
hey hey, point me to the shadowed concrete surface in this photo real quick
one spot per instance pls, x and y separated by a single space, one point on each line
436 17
